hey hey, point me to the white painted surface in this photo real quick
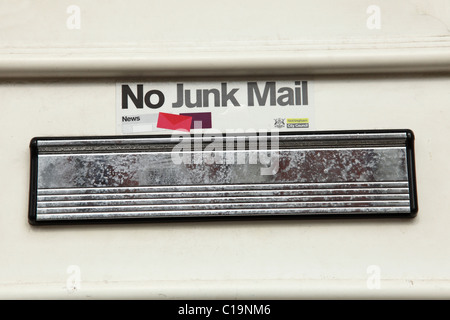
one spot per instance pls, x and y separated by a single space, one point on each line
230 258
197 37
308 258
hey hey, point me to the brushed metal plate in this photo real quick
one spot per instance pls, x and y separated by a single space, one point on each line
149 178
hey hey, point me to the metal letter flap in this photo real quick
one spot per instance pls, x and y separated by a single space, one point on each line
149 178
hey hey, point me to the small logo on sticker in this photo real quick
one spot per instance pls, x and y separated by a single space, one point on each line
297 123
279 123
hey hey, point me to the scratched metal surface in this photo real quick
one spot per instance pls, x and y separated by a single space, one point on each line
150 178
147 169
